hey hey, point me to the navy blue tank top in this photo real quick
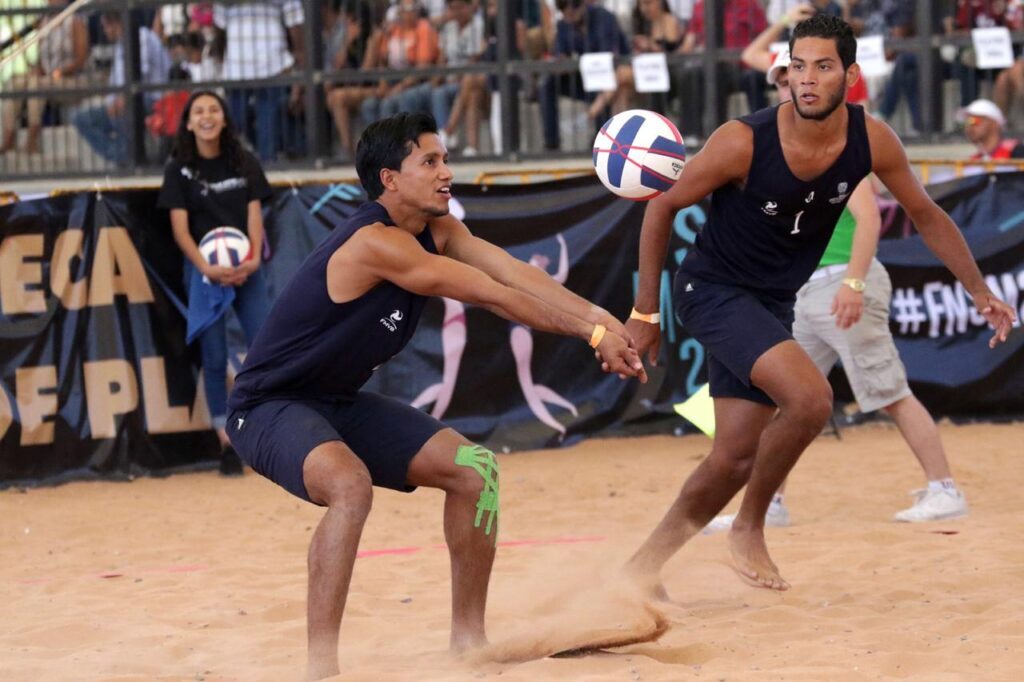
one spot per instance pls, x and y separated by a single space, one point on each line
769 234
312 347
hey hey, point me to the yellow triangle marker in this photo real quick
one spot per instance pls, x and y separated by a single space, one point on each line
699 409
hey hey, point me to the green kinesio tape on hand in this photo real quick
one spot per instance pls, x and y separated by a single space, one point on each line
482 461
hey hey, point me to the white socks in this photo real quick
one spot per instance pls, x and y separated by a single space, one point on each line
941 484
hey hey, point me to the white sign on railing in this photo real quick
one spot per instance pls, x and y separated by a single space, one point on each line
993 48
871 56
650 72
598 71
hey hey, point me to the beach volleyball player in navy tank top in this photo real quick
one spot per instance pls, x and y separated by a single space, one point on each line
299 415
778 181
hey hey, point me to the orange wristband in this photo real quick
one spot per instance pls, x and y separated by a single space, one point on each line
595 338
649 318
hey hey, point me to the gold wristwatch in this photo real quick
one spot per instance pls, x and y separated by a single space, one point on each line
855 284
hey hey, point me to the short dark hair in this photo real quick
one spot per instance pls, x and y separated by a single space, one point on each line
385 143
829 27
562 5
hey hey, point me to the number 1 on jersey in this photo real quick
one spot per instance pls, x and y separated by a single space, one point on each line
796 223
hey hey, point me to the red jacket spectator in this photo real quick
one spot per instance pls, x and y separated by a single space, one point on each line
980 13
744 19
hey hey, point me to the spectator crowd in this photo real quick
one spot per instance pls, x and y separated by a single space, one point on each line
428 44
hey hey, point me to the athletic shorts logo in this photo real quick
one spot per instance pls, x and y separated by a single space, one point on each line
392 320
770 208
241 423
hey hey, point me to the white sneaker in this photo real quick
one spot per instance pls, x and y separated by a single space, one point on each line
469 151
777 517
934 505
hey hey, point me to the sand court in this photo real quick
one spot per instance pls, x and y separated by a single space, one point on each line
198 577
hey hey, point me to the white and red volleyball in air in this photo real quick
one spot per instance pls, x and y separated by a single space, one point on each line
227 246
638 154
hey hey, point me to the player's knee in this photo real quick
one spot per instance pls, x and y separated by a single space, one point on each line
478 481
815 407
349 489
353 494
476 471
734 466
466 482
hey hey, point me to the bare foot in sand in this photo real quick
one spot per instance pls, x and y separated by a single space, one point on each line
648 583
320 668
751 560
461 643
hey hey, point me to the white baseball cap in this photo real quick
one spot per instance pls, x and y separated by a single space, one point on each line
988 109
779 62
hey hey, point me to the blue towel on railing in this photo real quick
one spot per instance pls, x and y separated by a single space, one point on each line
206 303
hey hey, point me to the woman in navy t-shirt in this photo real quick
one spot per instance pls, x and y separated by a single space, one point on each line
210 182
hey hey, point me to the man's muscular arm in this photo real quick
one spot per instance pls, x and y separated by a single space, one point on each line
462 245
938 230
387 253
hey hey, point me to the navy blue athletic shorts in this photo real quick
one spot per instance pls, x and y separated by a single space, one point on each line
736 326
274 437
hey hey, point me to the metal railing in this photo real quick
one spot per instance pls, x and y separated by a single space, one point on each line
311 144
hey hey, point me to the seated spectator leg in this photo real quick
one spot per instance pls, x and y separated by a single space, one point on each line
547 94
370 109
890 96
238 107
753 84
11 113
626 91
473 92
908 63
691 94
968 77
35 124
1009 84
119 138
416 99
442 108
730 80
96 128
391 105
270 120
340 101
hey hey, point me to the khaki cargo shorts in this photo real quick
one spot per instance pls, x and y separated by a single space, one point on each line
870 361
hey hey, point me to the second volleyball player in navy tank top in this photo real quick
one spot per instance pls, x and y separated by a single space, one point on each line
778 181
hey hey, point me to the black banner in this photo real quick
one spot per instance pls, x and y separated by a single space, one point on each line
97 381
942 339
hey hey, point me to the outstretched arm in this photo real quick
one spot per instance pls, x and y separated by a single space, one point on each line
758 54
848 305
385 253
462 245
938 230
725 158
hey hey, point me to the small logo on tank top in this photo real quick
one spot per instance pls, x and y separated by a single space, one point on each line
770 208
810 197
841 192
392 320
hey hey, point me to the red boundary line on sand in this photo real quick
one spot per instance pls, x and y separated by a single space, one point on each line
364 554
570 540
